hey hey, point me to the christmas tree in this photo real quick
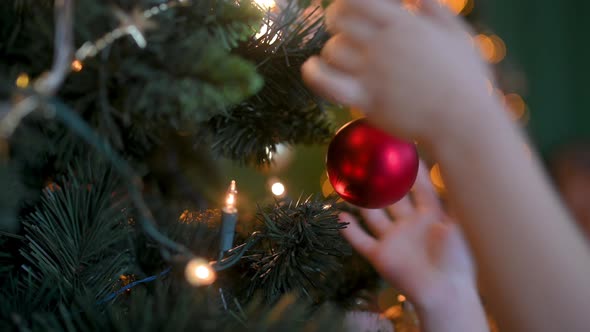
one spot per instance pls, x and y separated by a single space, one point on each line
115 215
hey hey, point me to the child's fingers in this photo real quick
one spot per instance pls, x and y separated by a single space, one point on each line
377 221
403 209
354 27
342 54
424 194
356 236
333 84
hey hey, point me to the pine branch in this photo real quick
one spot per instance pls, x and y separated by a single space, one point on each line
284 111
132 180
301 247
22 299
76 237
174 307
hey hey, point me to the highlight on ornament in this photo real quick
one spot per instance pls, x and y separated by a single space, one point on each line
199 272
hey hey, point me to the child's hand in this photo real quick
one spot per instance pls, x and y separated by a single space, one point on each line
422 253
413 73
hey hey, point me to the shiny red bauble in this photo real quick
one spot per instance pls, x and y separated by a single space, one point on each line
369 168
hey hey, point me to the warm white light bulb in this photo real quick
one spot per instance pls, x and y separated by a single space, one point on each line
278 189
202 272
230 200
266 4
199 272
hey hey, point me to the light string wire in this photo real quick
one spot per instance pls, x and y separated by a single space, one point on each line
235 255
113 295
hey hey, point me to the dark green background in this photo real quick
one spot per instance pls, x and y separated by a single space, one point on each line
549 40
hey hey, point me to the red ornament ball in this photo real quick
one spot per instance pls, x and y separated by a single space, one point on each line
369 168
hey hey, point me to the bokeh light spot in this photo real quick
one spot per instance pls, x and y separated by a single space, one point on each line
436 177
22 81
515 105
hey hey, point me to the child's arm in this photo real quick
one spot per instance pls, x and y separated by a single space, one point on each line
418 76
529 251
425 256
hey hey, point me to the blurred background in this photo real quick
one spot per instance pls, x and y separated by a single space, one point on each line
548 40
539 50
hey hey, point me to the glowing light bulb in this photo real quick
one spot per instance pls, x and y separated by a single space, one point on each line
266 4
401 298
230 200
77 65
278 189
199 272
22 81
202 272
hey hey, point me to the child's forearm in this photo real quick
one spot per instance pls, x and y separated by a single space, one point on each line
461 310
510 216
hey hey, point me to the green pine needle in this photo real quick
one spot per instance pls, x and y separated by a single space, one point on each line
77 235
302 246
